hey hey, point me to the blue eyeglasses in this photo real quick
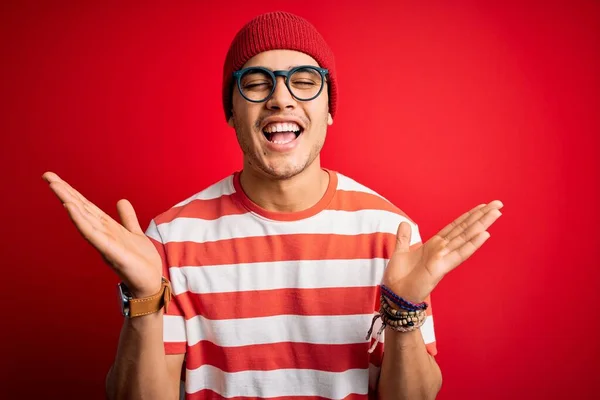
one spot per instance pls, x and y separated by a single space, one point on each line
257 84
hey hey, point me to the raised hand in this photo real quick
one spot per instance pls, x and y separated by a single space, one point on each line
124 247
414 274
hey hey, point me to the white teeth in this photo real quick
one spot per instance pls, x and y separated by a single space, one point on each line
282 127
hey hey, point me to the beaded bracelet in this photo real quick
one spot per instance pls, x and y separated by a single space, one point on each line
401 321
402 303
404 323
404 318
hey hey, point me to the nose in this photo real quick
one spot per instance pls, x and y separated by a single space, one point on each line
281 99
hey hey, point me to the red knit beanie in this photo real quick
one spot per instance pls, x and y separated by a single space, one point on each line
277 31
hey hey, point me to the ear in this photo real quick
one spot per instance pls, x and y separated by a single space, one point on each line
329 119
230 122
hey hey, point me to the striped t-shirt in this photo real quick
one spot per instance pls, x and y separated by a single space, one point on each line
270 304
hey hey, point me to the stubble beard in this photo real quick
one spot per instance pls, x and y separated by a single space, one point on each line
254 159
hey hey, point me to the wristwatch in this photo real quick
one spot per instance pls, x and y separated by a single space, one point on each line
131 307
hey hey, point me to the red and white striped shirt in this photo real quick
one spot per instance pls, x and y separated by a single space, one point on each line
271 304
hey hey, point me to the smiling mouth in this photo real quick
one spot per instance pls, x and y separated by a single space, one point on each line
282 133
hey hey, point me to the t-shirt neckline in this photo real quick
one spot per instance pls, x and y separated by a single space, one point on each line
287 216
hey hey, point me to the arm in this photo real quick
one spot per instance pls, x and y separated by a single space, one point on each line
408 371
141 369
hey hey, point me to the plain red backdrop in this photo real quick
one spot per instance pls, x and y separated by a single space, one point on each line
443 105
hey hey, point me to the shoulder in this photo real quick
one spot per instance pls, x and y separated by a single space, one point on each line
364 197
352 195
218 189
205 204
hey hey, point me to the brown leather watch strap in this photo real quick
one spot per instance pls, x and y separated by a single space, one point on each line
152 304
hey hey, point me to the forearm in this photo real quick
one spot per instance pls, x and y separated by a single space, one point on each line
408 370
140 368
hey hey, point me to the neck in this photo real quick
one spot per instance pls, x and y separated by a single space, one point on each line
295 194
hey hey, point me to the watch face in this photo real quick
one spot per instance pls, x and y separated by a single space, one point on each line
123 296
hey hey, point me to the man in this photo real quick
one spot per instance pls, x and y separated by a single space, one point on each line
276 269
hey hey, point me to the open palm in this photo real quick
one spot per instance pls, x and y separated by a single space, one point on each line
124 247
413 274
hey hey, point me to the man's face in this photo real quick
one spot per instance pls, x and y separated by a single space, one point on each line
265 131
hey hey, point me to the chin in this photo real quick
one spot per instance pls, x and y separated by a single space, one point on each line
282 172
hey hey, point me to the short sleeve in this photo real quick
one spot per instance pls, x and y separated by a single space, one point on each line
174 333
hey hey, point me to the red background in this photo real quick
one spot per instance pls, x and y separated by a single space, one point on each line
442 106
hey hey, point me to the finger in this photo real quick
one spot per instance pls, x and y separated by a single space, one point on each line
128 217
50 176
403 236
62 193
102 240
459 255
474 229
97 223
91 233
448 228
85 207
56 181
472 217
65 196
91 207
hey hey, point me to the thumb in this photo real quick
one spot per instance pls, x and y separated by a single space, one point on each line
403 237
128 217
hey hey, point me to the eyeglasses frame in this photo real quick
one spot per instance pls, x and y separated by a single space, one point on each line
237 75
